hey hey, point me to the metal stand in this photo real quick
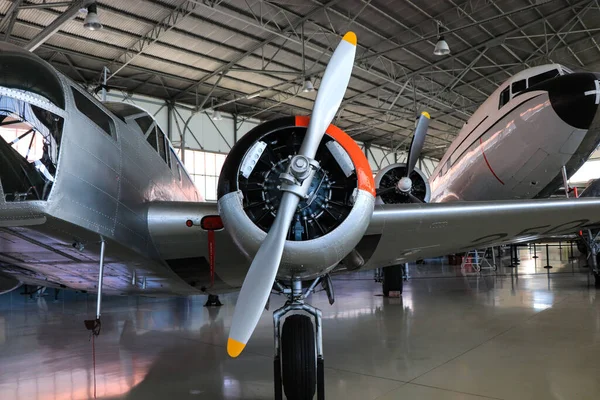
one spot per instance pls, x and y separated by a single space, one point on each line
94 325
512 262
295 302
213 301
534 251
548 266
478 261
516 250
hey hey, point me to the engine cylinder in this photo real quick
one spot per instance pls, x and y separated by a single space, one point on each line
328 223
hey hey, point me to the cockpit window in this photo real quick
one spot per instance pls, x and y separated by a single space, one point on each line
93 112
154 136
544 76
504 97
145 123
519 86
30 134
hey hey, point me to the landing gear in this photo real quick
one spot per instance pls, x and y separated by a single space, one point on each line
213 301
94 325
392 279
298 363
298 352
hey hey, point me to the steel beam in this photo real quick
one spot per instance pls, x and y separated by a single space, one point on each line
225 67
152 36
10 15
55 26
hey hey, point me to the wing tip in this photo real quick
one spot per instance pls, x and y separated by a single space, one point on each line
234 348
350 37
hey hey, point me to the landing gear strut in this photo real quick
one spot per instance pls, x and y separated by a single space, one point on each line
298 363
94 325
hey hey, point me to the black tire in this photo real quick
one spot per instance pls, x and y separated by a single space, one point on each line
298 358
596 280
392 279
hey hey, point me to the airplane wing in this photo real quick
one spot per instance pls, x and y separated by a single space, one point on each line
406 232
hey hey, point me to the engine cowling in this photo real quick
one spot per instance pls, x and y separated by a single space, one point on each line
390 176
328 224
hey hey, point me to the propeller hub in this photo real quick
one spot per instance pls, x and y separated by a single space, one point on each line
405 184
300 167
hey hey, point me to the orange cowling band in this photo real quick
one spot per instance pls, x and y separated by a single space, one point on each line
363 169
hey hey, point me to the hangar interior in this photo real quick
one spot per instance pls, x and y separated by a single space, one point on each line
210 71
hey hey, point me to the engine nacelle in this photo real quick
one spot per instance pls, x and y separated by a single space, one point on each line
8 283
328 224
391 175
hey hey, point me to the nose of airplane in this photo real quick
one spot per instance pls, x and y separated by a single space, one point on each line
575 98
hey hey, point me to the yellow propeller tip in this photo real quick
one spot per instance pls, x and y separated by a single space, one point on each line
426 114
234 348
350 37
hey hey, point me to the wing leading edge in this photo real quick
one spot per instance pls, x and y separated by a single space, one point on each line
413 231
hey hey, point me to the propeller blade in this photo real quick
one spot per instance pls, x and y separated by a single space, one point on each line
257 285
380 192
414 198
331 93
263 271
417 142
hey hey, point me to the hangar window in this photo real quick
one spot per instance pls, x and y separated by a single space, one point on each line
93 112
519 86
204 168
504 97
544 76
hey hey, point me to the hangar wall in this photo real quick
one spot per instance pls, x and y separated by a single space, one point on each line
206 141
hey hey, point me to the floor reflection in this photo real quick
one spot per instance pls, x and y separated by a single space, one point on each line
175 348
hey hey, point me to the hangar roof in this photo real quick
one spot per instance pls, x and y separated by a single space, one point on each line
251 57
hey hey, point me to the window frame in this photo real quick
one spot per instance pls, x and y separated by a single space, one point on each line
513 93
506 91
111 123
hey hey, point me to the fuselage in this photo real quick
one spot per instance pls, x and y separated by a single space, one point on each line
515 145
107 163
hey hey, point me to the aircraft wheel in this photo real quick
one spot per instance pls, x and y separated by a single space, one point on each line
597 280
298 358
392 279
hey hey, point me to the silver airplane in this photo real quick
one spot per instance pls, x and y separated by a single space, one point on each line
106 206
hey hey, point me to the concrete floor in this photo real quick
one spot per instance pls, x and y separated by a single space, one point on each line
452 335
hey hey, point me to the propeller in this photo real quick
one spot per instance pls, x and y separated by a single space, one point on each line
405 184
295 184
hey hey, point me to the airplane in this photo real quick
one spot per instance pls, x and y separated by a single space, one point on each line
104 205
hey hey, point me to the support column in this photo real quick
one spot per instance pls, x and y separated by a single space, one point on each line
170 106
235 128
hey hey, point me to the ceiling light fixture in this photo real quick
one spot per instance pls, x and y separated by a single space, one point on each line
216 115
441 47
308 86
92 21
